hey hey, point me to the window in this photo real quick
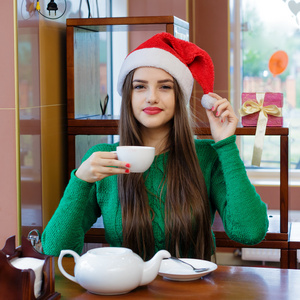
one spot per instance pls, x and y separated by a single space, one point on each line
259 29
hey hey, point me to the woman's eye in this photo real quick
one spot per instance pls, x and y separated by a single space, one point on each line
138 87
166 87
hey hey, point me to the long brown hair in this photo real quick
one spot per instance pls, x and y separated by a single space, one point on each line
188 222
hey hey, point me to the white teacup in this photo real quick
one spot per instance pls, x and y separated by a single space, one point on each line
140 158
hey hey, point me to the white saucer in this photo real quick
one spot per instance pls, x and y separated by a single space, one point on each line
175 270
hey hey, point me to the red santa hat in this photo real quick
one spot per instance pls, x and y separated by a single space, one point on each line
183 60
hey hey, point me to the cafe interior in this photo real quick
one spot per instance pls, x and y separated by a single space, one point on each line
55 53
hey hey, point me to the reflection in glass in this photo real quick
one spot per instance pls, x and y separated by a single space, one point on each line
30 128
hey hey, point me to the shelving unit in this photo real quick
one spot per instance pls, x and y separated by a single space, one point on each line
89 123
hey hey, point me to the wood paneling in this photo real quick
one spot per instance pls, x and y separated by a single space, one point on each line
209 30
8 115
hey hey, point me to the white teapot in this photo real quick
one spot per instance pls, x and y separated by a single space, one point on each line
112 270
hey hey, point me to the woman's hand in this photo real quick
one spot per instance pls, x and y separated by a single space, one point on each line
222 118
100 165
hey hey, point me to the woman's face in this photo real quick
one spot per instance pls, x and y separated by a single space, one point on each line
153 97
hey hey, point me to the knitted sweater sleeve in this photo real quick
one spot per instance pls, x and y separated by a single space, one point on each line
76 213
243 213
78 210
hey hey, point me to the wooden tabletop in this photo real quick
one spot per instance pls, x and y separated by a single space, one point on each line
226 282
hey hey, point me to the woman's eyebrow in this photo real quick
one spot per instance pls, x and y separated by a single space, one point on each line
159 81
139 80
165 80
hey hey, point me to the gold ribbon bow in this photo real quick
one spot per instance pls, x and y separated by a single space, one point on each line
251 107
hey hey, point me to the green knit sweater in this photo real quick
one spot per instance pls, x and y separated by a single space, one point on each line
243 213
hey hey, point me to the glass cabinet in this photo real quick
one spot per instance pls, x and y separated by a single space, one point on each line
96 48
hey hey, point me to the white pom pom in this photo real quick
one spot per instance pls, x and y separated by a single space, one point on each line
208 101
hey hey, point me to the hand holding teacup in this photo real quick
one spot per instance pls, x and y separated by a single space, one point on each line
127 159
140 158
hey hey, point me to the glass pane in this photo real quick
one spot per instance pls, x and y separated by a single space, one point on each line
267 27
270 156
84 142
90 71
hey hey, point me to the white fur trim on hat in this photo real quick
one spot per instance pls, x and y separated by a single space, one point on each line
158 58
208 101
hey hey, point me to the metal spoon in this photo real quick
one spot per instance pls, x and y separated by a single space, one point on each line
198 270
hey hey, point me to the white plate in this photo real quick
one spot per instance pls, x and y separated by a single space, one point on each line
175 270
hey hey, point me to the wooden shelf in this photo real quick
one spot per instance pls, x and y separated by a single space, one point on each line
89 123
282 131
98 22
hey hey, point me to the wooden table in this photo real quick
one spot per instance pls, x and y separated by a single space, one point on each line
226 282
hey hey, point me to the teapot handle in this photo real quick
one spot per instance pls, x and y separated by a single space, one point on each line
61 268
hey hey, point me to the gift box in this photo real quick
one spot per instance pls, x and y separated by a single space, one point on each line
270 103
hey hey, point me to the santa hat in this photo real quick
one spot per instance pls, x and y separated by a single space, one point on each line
183 60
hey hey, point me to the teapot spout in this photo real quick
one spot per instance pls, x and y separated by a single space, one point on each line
152 266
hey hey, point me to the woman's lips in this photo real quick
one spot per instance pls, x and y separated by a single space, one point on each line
152 110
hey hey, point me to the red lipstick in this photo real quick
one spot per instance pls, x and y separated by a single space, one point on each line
152 110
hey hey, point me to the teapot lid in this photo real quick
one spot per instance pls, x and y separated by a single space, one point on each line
109 251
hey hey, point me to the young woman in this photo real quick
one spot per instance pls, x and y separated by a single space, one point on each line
172 205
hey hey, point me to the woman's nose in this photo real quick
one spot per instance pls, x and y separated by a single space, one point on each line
152 96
